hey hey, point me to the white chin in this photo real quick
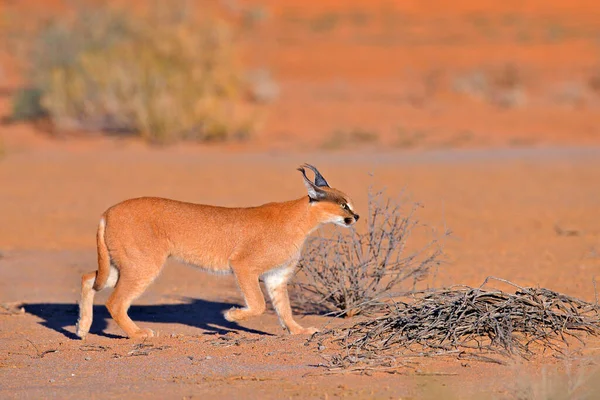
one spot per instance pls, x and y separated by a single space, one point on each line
341 222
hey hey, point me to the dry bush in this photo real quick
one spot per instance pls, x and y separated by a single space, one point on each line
471 323
503 86
160 73
347 272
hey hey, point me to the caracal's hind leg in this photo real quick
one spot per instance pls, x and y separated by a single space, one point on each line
276 284
132 283
86 304
250 288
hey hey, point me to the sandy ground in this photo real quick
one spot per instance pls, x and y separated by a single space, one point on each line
485 112
508 210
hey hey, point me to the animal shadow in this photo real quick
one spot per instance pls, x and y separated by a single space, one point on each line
198 313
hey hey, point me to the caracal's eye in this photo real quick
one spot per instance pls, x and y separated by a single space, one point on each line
344 206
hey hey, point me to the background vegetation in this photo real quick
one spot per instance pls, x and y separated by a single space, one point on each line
160 73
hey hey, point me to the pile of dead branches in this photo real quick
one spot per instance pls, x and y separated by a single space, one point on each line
473 323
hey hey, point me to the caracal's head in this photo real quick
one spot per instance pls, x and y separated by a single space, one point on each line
329 204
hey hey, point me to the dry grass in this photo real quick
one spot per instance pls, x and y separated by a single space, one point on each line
502 86
471 323
160 74
345 273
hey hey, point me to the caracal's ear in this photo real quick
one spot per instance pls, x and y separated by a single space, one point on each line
314 192
319 180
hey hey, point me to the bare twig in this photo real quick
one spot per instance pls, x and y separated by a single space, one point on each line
40 354
224 341
93 347
595 290
142 349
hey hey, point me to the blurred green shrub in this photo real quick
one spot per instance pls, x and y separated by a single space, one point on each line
161 74
27 104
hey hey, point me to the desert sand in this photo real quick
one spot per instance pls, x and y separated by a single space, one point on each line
518 187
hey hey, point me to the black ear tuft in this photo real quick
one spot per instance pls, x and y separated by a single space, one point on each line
319 180
314 192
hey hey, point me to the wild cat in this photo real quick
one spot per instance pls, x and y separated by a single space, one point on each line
135 238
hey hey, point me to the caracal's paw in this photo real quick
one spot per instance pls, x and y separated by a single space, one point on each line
305 331
81 331
81 335
143 334
235 314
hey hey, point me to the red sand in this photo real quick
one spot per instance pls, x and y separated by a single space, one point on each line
508 208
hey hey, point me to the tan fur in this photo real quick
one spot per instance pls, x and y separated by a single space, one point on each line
136 236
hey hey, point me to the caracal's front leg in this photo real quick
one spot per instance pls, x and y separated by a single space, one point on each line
276 284
255 300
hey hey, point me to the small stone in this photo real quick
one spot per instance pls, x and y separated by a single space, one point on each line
191 358
72 374
321 347
208 357
51 381
88 358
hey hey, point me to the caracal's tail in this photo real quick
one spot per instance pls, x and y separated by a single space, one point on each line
103 258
